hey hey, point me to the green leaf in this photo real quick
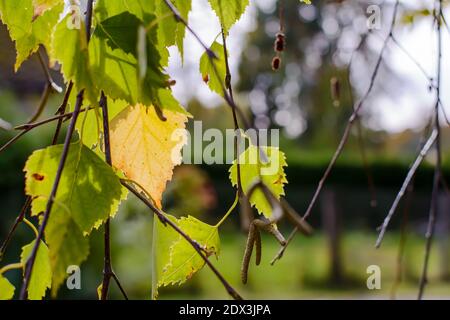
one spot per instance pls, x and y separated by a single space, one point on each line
27 28
228 11
175 260
6 289
89 190
105 9
67 245
114 59
91 128
69 47
215 81
272 174
41 277
170 31
41 6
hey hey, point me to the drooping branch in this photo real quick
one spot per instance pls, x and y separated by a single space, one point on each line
108 271
28 199
18 220
410 175
46 216
25 128
212 57
346 133
434 207
164 220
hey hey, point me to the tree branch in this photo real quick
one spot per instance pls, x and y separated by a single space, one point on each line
108 271
32 258
164 220
412 171
346 133
434 207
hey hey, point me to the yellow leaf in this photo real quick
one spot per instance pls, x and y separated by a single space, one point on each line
147 148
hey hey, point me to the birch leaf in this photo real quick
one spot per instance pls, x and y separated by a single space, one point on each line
6 289
215 81
228 11
89 190
27 29
175 260
272 174
41 277
145 148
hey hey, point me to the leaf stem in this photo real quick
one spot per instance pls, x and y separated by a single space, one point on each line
12 266
32 227
236 200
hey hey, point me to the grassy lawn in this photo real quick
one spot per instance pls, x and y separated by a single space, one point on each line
303 271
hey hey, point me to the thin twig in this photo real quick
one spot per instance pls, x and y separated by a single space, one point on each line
346 133
412 171
434 207
28 199
29 126
65 152
164 220
48 76
42 103
61 111
108 271
233 109
18 220
212 57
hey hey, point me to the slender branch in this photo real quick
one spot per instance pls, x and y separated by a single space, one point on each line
434 207
48 76
233 109
65 152
42 103
108 272
28 127
61 111
88 24
19 219
412 171
212 57
179 18
28 200
346 133
164 220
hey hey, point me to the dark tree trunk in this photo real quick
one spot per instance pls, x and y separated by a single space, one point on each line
332 229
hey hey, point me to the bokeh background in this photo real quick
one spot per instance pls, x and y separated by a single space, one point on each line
297 100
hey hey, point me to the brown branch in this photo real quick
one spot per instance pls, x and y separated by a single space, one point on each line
212 57
48 76
410 175
346 133
108 271
164 220
25 128
434 207
61 110
30 262
28 200
19 219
